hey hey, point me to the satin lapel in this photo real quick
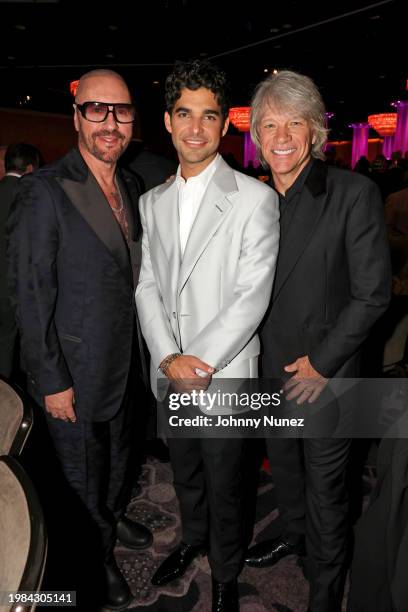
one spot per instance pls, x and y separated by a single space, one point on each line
165 211
88 199
212 213
303 225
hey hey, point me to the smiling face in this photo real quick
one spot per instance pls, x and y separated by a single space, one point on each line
107 140
286 140
196 127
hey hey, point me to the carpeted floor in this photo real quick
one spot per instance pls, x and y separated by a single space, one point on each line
282 588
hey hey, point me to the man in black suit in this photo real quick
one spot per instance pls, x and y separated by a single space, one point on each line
150 168
74 262
20 159
332 283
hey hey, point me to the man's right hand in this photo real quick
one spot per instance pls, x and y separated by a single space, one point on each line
61 405
182 373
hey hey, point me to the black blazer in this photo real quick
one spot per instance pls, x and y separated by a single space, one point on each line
8 190
72 281
333 276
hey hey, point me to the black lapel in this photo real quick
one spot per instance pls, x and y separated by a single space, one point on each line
90 202
303 224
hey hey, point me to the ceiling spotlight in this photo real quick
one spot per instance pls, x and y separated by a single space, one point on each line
20 26
274 30
156 82
287 26
113 27
266 70
109 55
275 71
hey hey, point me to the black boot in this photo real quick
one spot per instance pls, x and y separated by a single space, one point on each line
133 535
118 594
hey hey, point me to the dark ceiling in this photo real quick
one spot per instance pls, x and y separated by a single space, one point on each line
354 49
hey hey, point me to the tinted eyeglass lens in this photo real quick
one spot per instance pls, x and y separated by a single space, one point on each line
124 112
98 111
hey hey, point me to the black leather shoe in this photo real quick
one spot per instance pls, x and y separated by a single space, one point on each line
176 564
133 535
270 552
225 596
118 594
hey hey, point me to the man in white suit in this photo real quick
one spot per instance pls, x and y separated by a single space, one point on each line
209 252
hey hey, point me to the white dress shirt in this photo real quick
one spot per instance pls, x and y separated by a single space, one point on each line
191 192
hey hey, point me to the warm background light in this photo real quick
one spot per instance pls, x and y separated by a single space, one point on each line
239 117
73 86
384 123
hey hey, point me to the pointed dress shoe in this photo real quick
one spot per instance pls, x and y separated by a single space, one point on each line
225 596
269 552
176 564
118 595
133 535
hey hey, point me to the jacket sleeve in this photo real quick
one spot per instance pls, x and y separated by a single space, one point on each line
153 319
367 253
33 242
233 327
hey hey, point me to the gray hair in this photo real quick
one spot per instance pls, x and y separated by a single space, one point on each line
290 90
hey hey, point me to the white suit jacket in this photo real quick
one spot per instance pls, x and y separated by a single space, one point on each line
210 302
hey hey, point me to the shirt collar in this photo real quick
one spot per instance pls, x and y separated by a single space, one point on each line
202 178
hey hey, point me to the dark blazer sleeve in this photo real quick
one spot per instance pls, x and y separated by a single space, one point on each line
367 252
32 253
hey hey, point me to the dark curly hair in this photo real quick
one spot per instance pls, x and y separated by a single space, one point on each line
193 75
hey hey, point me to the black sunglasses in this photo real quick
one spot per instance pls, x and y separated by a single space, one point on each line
98 111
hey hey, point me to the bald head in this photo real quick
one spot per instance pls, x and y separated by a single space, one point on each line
101 81
103 140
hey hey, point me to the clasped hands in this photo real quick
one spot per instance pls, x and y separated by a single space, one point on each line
182 373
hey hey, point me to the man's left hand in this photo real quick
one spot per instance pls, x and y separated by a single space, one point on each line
306 384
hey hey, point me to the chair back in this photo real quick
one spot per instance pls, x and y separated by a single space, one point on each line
23 538
16 419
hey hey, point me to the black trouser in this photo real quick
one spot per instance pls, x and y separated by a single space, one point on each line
207 479
95 461
310 481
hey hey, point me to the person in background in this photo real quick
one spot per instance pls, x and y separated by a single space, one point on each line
20 159
151 168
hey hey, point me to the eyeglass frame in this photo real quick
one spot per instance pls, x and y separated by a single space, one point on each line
113 105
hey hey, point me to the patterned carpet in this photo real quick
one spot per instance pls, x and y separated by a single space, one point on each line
279 589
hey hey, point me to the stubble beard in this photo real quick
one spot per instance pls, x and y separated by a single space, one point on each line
107 156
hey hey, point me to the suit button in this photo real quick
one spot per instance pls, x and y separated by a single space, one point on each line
174 314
